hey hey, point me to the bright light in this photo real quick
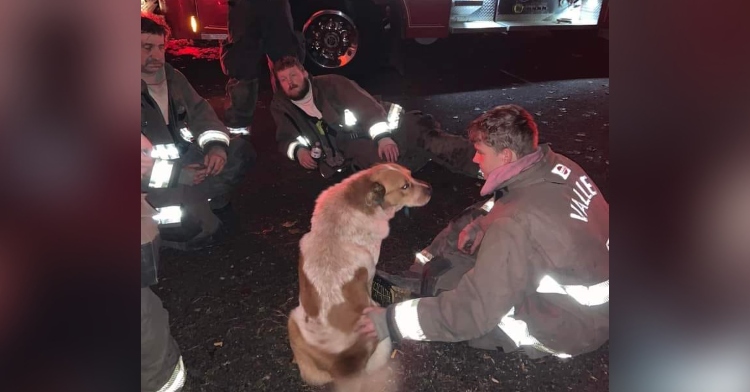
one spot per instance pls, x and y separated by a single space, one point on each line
194 24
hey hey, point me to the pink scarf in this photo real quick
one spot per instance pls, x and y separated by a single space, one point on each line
506 172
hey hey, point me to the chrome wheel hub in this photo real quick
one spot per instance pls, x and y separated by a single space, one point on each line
331 38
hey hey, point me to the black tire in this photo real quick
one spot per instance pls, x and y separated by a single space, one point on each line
362 15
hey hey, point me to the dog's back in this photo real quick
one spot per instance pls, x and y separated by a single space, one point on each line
336 267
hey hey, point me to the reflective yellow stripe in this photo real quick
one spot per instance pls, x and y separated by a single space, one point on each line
407 320
167 215
378 129
212 136
177 380
585 295
161 173
349 118
518 331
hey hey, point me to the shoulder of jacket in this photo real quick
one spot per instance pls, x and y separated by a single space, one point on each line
331 79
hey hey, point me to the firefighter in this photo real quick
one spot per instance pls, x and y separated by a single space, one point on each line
527 268
197 165
329 123
162 368
255 28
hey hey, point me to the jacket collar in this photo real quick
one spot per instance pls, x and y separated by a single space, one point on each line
527 176
168 73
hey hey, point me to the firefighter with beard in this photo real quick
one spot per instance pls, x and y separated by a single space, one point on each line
329 123
527 268
198 165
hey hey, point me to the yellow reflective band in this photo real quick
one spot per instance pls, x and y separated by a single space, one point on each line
407 320
597 294
239 131
161 173
378 129
165 151
424 256
518 331
167 215
212 136
186 134
177 380
349 118
394 115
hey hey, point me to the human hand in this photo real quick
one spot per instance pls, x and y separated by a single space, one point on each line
215 160
388 149
366 324
305 159
200 172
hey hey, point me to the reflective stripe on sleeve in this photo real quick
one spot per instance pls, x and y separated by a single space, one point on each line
212 136
424 256
378 129
301 141
407 320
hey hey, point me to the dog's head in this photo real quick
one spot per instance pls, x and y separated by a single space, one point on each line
389 187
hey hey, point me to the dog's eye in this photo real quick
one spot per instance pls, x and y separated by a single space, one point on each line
406 186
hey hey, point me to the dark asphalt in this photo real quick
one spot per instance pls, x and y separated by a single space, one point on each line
228 303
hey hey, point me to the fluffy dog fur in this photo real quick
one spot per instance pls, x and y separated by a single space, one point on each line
336 268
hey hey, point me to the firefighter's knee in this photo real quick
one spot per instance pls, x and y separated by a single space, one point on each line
434 275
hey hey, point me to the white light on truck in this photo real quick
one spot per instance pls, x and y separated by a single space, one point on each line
194 24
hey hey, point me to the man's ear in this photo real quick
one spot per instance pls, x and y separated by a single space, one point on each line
376 194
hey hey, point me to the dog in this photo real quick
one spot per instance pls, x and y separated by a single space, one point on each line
336 268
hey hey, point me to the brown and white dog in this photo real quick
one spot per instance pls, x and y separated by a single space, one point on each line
336 268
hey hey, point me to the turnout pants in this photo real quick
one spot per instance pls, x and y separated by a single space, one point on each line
199 221
161 364
419 140
256 28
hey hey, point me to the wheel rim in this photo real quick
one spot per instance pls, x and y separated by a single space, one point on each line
331 38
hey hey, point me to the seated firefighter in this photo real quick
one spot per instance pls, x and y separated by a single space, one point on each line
197 165
329 123
525 269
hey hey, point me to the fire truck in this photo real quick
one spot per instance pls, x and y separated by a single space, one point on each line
341 34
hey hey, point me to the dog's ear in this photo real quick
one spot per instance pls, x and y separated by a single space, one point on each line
376 194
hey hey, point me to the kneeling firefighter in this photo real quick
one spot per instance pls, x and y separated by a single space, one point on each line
162 368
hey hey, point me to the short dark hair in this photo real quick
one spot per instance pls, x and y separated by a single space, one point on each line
287 62
506 126
154 24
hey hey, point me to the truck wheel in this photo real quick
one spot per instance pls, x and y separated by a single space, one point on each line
342 38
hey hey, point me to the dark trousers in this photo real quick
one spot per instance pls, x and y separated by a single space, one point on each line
419 140
159 351
256 28
199 221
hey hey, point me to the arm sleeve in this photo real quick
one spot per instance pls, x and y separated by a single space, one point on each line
369 113
287 135
483 296
205 125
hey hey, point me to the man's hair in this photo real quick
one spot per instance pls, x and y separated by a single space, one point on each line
506 126
286 62
154 24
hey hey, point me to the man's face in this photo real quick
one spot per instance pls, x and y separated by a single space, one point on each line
488 159
294 82
152 53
